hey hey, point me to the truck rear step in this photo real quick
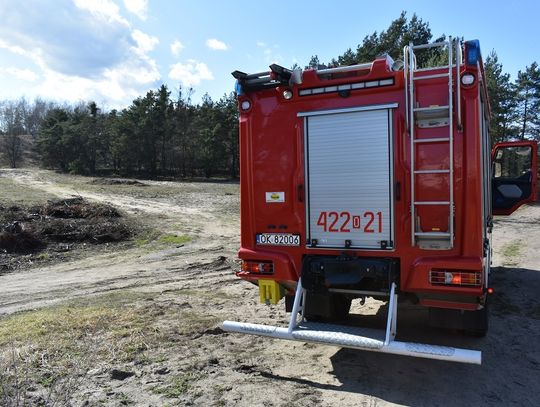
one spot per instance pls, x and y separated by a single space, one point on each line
353 337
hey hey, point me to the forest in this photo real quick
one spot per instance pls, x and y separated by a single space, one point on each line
166 134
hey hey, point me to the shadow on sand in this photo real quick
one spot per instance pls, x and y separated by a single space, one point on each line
510 369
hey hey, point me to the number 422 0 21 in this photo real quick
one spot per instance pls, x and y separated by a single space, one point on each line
368 222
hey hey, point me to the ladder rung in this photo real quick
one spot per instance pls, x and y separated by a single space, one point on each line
439 75
432 234
432 140
432 172
430 108
432 122
432 45
433 68
432 203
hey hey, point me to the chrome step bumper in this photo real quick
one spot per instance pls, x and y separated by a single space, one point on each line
356 338
353 337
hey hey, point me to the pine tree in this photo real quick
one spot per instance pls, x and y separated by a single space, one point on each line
391 41
502 100
50 140
528 102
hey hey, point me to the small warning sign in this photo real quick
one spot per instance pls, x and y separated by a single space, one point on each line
275 197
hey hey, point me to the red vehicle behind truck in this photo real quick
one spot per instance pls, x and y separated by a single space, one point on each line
375 180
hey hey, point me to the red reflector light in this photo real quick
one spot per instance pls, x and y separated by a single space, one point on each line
259 267
456 278
490 290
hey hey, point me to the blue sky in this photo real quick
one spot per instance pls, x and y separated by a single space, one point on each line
112 51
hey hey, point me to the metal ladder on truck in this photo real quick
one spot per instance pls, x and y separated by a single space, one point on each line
421 118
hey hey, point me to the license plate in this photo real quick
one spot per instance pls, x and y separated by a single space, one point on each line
278 239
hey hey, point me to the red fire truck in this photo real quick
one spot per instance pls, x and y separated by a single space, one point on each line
375 180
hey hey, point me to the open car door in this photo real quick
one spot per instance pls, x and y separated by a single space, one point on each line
514 175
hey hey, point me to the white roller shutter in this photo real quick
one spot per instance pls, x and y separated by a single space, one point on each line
349 178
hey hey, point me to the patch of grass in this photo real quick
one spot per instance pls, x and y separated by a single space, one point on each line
192 322
178 386
141 241
124 399
150 190
60 324
174 239
511 249
153 238
214 294
55 347
17 194
43 256
511 252
122 326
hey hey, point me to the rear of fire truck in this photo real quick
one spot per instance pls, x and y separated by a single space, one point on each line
374 180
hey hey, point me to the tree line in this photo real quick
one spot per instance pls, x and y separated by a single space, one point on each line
162 135
154 136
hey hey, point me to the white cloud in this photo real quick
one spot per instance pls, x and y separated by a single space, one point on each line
191 73
145 42
215 44
118 85
13 48
176 47
22 74
72 37
34 55
104 9
137 7
76 50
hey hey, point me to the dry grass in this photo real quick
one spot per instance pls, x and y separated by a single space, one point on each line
44 354
511 252
15 193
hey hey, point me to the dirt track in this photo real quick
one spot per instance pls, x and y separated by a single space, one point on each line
229 369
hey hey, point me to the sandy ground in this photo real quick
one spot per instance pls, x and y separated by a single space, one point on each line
230 369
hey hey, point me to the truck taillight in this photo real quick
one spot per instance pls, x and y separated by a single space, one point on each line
455 277
260 267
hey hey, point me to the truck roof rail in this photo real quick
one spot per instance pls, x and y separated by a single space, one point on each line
342 69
